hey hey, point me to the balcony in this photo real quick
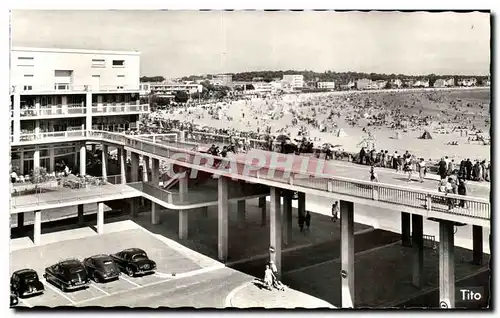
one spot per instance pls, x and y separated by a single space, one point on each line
118 108
70 88
53 111
32 137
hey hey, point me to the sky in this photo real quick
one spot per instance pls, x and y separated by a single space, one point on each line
181 43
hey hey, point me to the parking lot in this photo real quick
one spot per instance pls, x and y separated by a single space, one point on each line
171 265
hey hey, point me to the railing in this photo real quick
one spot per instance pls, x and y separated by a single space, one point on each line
27 194
51 135
417 198
119 108
53 110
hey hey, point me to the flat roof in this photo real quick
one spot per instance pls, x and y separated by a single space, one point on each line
80 51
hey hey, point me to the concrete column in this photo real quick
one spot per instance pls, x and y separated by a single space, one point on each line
122 159
155 172
263 208
20 221
145 168
92 147
81 220
241 213
104 160
134 209
477 245
52 160
182 135
88 104
302 204
17 116
183 187
405 229
275 229
287 217
204 211
21 162
417 242
37 128
134 172
347 253
222 218
155 213
183 224
100 218
446 265
36 158
37 228
83 160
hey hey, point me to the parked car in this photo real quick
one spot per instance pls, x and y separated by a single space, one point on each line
68 275
25 282
134 261
101 268
13 299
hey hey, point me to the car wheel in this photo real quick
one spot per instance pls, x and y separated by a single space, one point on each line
63 287
96 278
130 271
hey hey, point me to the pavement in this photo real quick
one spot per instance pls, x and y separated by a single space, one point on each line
184 278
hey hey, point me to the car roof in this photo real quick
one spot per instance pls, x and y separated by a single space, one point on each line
25 271
70 263
100 257
133 250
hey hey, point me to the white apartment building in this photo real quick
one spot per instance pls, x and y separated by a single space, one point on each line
168 89
326 85
59 95
294 81
222 80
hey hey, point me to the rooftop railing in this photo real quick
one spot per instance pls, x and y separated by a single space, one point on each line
119 108
53 110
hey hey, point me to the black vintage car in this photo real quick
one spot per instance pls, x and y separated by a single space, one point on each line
67 275
25 283
101 268
134 261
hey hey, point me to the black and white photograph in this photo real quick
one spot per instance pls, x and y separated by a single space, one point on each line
277 159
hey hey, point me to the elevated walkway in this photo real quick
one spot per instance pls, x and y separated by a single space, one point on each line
329 181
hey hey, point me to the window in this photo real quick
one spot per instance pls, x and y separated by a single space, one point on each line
28 75
25 61
28 88
98 63
119 87
118 63
62 73
120 76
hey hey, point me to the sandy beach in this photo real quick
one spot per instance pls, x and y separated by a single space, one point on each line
352 112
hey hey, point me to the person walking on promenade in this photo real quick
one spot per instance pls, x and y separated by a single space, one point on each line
302 220
442 168
308 220
408 167
268 278
421 169
373 175
274 269
335 211
462 190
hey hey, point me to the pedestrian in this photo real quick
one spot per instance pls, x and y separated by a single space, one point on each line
462 190
308 220
442 168
273 267
421 169
373 175
268 278
335 211
408 168
302 220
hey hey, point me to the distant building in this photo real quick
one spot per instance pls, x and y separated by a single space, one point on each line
295 81
168 89
363 83
381 84
222 80
396 83
421 83
439 83
326 85
348 86
467 82
257 79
